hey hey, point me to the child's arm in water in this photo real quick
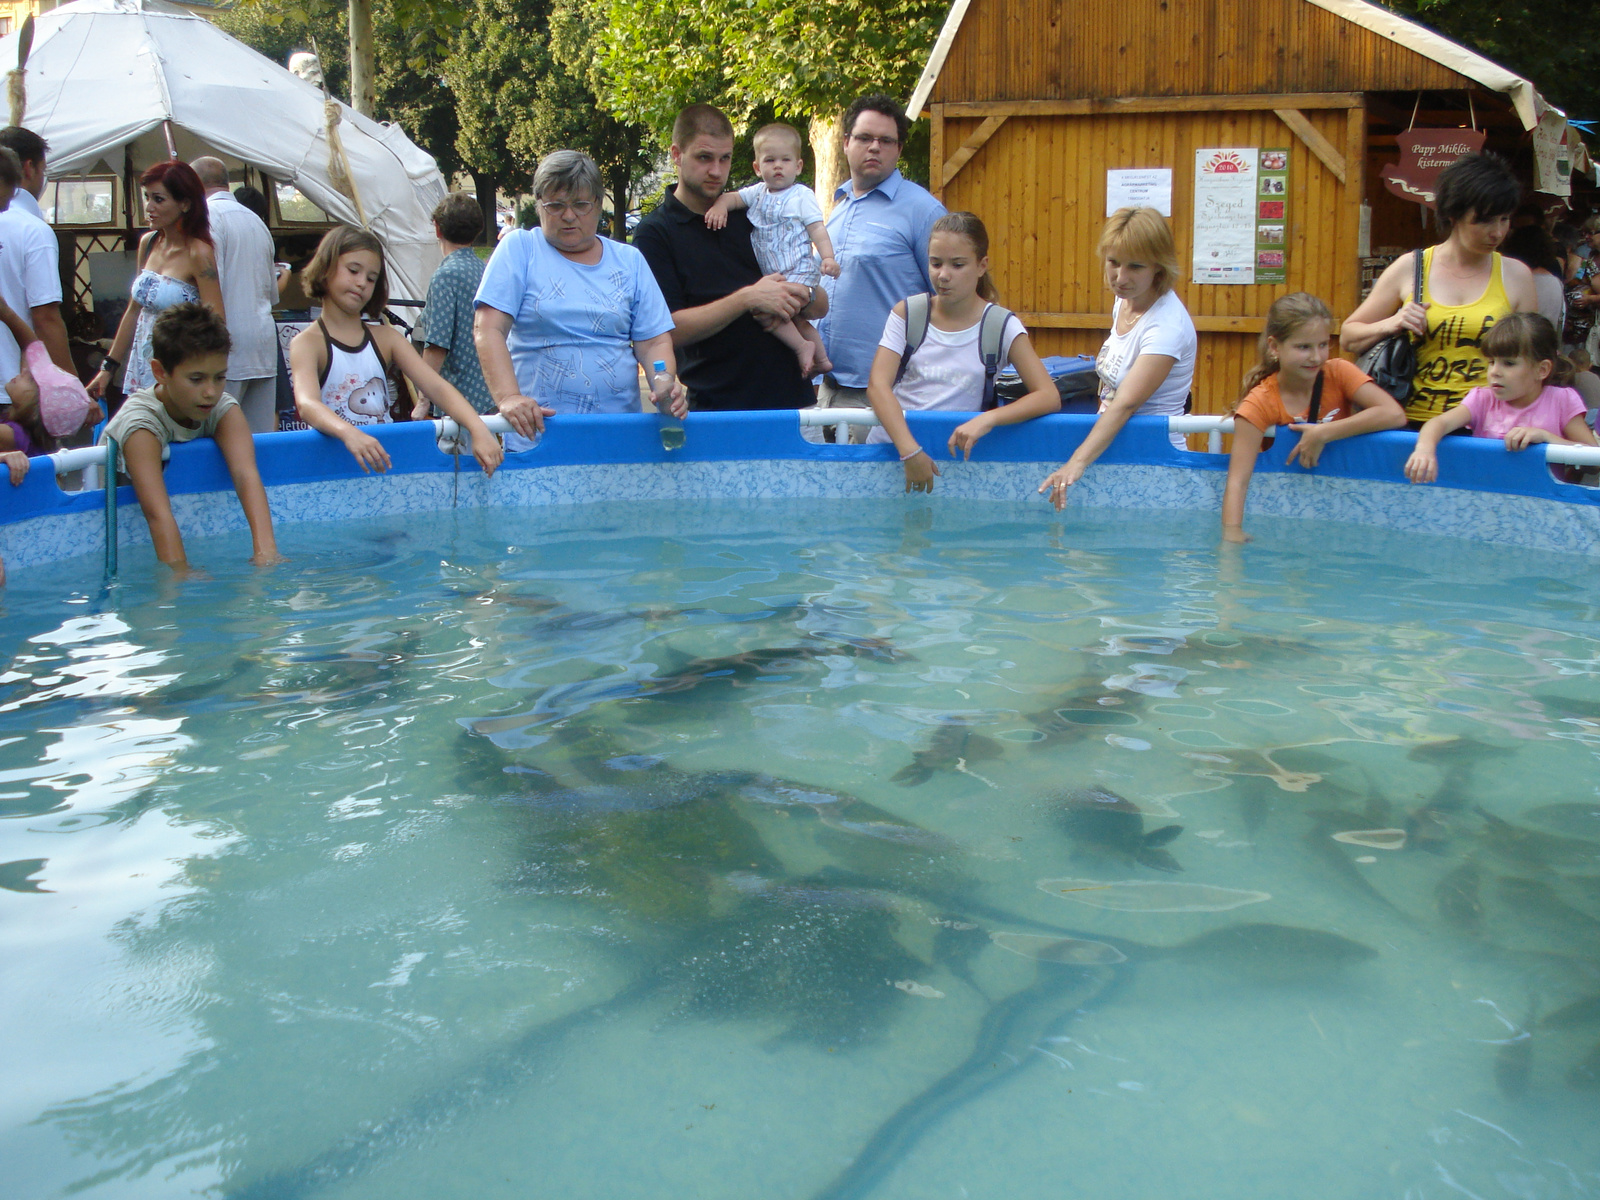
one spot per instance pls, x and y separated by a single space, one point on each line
303 370
817 231
717 214
141 459
1576 432
1423 465
1042 399
1379 411
239 452
1247 441
918 464
485 446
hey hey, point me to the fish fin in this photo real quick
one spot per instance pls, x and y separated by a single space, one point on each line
912 774
1158 859
1160 837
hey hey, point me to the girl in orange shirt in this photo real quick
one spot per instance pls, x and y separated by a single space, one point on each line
1278 390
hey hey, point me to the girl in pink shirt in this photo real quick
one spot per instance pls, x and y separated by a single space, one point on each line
1528 399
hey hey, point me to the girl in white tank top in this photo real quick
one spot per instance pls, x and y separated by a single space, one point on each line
340 364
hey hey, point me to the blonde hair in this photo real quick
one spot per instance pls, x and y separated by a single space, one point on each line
1141 235
1286 315
967 225
776 130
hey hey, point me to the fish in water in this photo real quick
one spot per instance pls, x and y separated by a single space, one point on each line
1457 898
951 748
1334 859
1513 1062
1274 953
1569 1016
769 663
1539 902
1535 848
1101 822
1580 820
1586 1075
1068 951
1152 896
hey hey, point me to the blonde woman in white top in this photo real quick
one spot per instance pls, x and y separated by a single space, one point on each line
946 371
1147 364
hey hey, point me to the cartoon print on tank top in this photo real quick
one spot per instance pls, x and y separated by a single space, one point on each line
355 386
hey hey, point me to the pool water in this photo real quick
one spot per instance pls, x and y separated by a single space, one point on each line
810 850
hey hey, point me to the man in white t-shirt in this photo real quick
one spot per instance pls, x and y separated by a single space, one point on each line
249 290
30 258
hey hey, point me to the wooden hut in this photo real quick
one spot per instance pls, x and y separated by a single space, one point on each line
1032 102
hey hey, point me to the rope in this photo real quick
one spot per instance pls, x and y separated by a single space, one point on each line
339 173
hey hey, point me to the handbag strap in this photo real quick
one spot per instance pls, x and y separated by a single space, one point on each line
1416 289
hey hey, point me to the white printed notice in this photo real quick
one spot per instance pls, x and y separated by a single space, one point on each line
1150 187
1225 216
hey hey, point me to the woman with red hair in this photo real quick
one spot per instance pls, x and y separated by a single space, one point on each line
178 266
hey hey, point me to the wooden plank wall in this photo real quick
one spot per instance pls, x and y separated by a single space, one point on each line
1053 49
1039 183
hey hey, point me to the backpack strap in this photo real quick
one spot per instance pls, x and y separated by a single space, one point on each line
991 331
1315 410
917 309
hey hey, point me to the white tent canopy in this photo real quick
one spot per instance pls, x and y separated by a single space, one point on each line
109 74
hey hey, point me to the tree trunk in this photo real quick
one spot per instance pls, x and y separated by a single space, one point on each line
617 185
487 187
827 157
363 64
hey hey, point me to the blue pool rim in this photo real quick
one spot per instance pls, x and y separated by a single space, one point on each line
1485 493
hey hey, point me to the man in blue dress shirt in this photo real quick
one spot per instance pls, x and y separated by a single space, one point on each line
879 226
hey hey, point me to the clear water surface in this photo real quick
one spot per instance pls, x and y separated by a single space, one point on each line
813 850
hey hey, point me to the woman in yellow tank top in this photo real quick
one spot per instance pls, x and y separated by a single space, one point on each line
1466 288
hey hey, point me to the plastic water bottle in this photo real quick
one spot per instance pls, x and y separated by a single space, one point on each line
671 427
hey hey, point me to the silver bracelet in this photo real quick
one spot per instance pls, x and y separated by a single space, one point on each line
913 454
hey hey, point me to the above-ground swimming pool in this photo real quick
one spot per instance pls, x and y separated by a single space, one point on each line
672 844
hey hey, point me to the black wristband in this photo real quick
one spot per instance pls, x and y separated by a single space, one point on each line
109 364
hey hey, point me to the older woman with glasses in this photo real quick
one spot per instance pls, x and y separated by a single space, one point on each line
565 318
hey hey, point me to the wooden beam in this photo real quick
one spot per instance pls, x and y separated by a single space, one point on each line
1100 320
1149 104
970 147
1315 142
936 143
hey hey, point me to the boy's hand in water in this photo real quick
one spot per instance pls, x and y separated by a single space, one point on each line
1235 533
267 558
366 450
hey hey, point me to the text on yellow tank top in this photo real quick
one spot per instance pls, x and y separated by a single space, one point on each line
1449 363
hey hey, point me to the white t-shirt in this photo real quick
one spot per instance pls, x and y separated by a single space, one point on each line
29 274
249 286
1166 329
778 230
946 371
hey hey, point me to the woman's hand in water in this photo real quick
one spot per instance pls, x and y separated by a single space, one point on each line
920 472
1058 481
1524 436
967 434
366 450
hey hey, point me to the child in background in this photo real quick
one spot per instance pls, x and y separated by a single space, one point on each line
1278 391
788 224
43 402
190 344
946 371
1529 398
340 365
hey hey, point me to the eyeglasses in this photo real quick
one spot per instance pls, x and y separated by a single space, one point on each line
862 140
559 208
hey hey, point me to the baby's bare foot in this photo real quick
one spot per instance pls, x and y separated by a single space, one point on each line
822 364
807 355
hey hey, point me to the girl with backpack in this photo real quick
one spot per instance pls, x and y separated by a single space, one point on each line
942 352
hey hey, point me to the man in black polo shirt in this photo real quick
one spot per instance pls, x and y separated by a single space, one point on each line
714 286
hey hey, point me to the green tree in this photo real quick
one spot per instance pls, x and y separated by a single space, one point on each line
803 59
1546 41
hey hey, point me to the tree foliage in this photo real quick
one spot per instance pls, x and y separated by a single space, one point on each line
803 58
1550 42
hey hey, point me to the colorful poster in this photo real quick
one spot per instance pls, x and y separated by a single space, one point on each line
1150 187
1225 215
1272 227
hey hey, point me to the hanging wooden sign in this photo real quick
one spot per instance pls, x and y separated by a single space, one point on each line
1423 154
